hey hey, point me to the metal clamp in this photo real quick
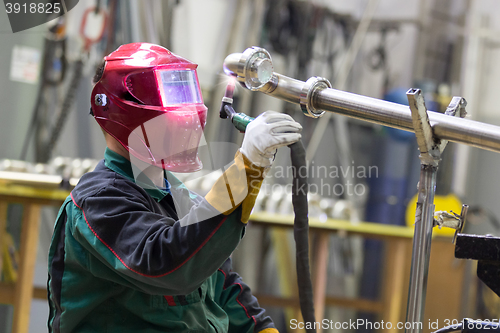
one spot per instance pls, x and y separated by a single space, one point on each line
431 148
457 104
452 220
430 152
456 108
462 218
308 91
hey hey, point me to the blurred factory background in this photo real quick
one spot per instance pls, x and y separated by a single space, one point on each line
444 47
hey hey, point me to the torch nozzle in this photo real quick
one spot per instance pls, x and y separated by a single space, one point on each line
239 120
230 88
227 100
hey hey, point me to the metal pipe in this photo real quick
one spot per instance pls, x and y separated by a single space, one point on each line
424 219
455 129
251 69
284 88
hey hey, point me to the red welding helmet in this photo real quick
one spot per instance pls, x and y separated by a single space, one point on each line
149 99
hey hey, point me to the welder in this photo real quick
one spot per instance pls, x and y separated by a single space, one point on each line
133 249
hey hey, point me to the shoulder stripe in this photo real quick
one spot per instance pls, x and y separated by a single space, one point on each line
244 307
237 300
225 278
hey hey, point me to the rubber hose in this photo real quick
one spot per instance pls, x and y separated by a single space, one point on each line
301 234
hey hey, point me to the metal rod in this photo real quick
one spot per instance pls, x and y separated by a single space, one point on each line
385 113
245 67
455 129
430 155
422 238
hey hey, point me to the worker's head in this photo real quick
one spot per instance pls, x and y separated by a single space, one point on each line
149 100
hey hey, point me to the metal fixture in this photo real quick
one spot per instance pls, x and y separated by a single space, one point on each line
430 155
452 220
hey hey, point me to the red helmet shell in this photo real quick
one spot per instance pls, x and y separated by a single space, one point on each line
129 95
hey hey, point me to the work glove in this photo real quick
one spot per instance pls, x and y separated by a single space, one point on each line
266 134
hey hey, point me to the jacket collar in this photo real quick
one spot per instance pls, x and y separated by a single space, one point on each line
122 166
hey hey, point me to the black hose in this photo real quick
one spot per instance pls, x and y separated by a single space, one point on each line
64 111
301 234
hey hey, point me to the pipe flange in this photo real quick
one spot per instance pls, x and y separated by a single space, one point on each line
255 68
309 90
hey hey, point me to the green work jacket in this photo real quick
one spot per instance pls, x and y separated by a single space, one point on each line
127 256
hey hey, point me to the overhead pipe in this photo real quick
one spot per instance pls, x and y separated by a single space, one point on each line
253 69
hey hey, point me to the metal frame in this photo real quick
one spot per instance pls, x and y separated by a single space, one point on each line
432 129
430 155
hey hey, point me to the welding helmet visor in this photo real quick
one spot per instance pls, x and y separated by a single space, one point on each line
178 87
171 139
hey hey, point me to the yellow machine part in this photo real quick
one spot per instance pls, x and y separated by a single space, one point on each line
447 203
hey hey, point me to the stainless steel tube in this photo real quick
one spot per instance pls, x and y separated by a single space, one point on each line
424 218
284 88
251 69
385 113
455 129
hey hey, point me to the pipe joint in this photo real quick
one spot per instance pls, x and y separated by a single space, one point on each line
253 68
311 87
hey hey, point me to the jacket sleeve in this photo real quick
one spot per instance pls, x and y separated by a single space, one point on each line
155 253
243 310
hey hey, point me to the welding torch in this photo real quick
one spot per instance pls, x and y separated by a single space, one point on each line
239 120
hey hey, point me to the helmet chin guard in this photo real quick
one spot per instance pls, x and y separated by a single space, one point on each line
170 140
149 99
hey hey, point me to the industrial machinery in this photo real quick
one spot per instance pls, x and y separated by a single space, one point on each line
253 69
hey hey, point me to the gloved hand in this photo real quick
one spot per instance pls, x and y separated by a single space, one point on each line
266 134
